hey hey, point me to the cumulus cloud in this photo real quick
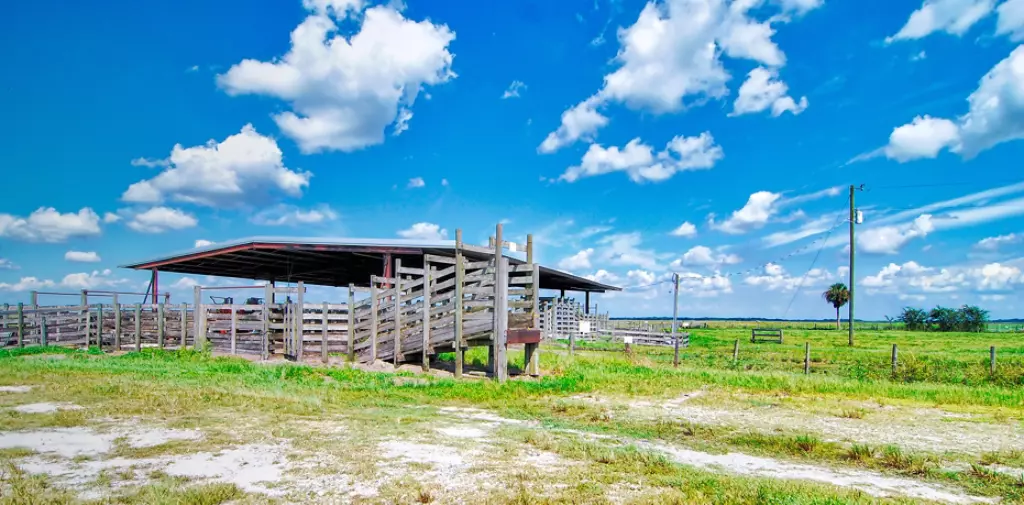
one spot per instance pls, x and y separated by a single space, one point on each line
671 59
623 249
762 91
46 224
244 167
641 164
913 279
578 261
26 284
775 278
995 115
424 231
416 182
82 256
290 215
994 243
344 91
161 219
1011 20
6 264
687 229
890 239
703 256
82 280
753 215
202 243
954 17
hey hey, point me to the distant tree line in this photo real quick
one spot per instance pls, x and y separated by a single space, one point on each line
968 318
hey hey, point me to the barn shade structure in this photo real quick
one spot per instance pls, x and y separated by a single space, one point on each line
333 262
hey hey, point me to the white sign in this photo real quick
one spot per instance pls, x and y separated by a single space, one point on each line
627 340
584 327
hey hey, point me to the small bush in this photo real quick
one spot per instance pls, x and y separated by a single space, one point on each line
859 452
807 443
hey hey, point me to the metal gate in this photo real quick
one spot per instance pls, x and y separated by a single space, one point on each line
292 321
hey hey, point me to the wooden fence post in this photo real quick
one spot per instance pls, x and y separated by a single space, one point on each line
323 334
184 325
351 323
161 325
807 358
374 321
895 359
736 351
268 300
398 312
426 316
117 324
85 316
138 327
460 275
234 330
21 325
35 299
43 340
301 320
99 326
992 360
501 317
197 300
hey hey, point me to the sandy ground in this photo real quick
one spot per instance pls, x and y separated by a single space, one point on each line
462 457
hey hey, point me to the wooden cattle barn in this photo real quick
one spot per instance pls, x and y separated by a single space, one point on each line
408 299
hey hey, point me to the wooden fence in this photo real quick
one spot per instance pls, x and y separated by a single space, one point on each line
114 327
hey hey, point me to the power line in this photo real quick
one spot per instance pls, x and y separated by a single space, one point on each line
800 286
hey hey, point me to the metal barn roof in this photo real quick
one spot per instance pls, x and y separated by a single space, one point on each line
332 261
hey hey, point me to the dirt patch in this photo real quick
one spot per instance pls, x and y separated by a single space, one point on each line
462 431
873 483
15 389
72 442
45 407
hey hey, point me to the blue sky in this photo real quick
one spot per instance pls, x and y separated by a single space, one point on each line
712 138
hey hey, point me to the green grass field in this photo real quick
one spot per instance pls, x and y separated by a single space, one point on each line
610 425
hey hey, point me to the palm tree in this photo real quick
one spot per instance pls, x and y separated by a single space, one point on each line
838 295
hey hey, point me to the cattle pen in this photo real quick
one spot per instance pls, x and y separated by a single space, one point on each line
406 302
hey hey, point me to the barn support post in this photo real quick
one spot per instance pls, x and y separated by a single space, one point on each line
460 275
161 325
156 284
138 327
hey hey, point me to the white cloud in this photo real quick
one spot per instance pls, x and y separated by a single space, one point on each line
919 56
244 167
703 256
604 277
290 215
424 231
776 278
890 239
202 243
578 261
809 229
703 286
46 224
994 243
671 58
924 137
161 219
913 279
93 280
344 92
578 122
82 256
185 283
954 17
6 264
514 89
761 91
760 207
1011 20
111 217
402 122
995 115
622 249
26 284
997 277
146 162
687 229
444 182
640 162
416 182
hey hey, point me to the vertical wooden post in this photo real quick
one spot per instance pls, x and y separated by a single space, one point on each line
736 351
374 321
351 323
99 326
426 315
234 329
197 318
117 324
35 299
301 321
21 325
460 276
895 359
268 301
161 326
807 358
138 327
501 317
324 330
992 360
532 362
43 340
86 316
398 312
184 325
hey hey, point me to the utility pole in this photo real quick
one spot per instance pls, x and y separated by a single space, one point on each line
675 314
853 248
